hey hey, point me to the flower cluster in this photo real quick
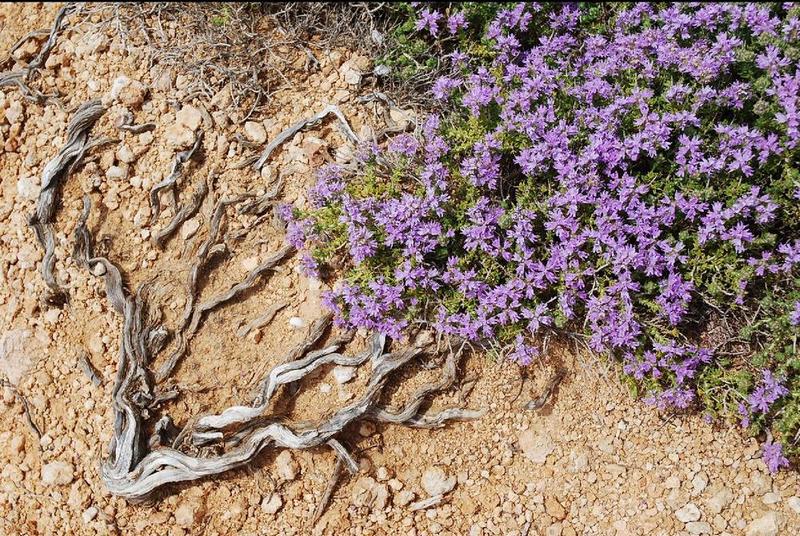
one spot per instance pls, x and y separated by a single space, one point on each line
626 180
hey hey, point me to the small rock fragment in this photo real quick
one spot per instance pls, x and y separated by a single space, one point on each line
554 508
186 514
189 117
249 264
28 255
436 482
178 136
28 187
285 466
404 497
690 512
189 228
99 269
720 500
57 473
255 132
794 504
343 374
89 514
366 429
699 483
767 525
698 527
296 322
116 173
272 504
125 154
18 348
369 493
536 446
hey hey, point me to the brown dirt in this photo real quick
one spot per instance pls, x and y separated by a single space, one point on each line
592 461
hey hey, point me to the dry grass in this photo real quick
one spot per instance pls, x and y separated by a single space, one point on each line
252 47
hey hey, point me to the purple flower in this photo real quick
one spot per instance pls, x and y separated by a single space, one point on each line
430 20
772 453
794 316
444 86
405 144
330 184
523 353
767 393
456 22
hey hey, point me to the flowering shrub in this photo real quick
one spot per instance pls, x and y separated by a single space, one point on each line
626 174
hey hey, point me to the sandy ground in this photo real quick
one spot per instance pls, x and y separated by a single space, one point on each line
592 461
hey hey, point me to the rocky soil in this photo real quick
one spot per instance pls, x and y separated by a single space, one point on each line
591 461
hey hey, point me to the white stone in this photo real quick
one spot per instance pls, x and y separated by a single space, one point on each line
51 316
794 504
255 132
536 446
99 269
404 497
720 500
698 527
185 514
89 514
57 473
28 187
699 483
272 504
401 117
14 112
116 173
771 498
17 351
28 255
350 73
249 264
189 117
296 322
178 136
189 228
369 493
767 525
689 512
127 91
436 482
118 85
125 154
285 466
343 374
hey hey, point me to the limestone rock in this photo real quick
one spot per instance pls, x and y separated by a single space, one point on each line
536 446
698 527
689 512
720 500
189 117
272 504
57 473
285 466
343 374
767 525
18 350
436 482
369 493
28 188
255 132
